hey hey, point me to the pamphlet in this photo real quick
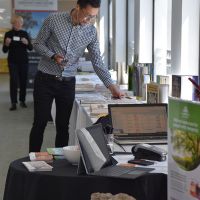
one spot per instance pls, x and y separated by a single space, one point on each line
40 156
137 80
33 166
55 151
184 150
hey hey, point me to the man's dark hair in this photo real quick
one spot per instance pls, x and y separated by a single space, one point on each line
93 3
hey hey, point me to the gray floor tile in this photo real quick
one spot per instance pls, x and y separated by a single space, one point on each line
14 130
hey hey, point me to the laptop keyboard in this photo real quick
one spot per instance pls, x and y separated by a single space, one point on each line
117 171
132 142
112 171
141 138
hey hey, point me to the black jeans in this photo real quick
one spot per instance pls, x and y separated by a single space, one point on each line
18 76
45 90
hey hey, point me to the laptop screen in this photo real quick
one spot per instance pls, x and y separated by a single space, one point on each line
93 146
138 119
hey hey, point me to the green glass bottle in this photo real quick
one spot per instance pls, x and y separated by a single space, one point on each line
130 77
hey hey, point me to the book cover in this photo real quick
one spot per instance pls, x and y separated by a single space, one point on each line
33 166
183 150
152 93
176 86
135 83
138 80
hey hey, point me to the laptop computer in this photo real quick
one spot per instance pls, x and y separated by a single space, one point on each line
95 158
139 123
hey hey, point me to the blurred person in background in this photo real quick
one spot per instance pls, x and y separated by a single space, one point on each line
16 43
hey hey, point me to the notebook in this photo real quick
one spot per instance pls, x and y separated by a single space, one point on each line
139 123
95 158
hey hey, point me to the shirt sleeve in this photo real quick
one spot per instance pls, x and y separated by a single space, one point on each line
97 62
5 48
40 44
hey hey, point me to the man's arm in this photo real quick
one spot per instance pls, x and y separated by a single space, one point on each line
116 92
6 43
100 68
42 38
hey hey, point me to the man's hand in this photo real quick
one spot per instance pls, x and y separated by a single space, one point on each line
59 59
114 89
8 41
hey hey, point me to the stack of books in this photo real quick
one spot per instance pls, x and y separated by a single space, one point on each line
40 161
98 109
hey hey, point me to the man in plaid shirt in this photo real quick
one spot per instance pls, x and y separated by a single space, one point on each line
61 41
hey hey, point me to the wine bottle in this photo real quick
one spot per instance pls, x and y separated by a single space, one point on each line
130 77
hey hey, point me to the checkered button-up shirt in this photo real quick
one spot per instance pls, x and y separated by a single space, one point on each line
59 36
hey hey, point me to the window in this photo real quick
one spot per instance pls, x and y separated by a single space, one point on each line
162 37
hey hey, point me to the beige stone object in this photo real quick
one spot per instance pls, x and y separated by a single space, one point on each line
109 196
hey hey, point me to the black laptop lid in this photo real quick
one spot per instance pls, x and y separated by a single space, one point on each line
138 119
94 150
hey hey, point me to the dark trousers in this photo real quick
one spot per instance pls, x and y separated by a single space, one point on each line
18 77
45 90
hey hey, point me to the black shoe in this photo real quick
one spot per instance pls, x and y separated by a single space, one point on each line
13 107
23 105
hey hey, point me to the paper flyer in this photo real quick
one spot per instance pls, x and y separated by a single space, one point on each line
184 150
